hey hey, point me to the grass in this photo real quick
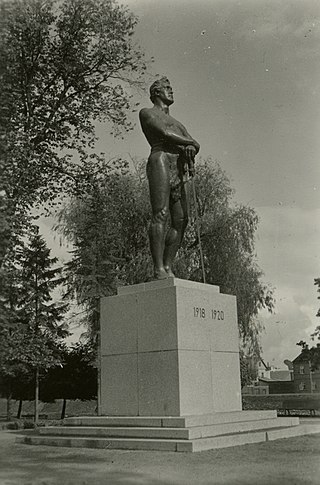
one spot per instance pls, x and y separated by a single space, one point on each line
293 461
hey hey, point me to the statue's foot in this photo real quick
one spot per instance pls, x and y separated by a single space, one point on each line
170 273
160 274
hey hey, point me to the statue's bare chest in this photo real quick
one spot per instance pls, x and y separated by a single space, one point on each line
170 122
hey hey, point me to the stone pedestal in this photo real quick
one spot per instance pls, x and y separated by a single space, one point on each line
170 376
169 348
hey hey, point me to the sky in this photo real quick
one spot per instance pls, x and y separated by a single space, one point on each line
245 75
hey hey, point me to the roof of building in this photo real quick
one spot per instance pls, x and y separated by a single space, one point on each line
280 375
308 354
303 357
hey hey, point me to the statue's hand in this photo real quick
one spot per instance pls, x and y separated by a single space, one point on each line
190 153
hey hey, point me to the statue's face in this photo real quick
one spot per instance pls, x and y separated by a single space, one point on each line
165 93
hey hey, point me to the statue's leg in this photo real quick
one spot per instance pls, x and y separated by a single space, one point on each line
159 186
179 221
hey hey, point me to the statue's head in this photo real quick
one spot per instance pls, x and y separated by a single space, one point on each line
162 88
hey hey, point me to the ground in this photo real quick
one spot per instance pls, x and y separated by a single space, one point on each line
293 461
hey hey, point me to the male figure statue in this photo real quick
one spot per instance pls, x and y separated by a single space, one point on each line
172 156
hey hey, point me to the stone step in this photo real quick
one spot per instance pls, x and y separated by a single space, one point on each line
200 444
302 429
170 421
247 438
145 444
116 432
169 433
104 443
241 427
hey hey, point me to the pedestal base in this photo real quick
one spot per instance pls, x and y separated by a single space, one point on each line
188 434
170 376
169 348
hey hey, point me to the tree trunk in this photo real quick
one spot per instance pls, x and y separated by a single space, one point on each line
19 409
9 402
99 378
64 407
36 397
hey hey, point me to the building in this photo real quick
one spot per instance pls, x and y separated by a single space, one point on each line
255 390
263 369
270 380
278 386
306 376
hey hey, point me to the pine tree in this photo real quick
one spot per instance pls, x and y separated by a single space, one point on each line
31 342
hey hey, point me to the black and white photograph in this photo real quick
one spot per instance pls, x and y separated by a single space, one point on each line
159 242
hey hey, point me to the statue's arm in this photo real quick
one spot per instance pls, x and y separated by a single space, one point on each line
195 144
152 123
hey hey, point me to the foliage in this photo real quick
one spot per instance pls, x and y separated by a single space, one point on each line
32 329
108 228
227 238
10 278
247 373
21 352
316 333
39 279
65 65
75 378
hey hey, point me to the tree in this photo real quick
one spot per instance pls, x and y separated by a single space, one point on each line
64 66
316 333
92 222
40 314
107 226
227 232
12 371
23 356
121 242
75 378
248 372
32 342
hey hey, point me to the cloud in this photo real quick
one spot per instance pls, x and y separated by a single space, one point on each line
291 323
288 251
278 19
288 244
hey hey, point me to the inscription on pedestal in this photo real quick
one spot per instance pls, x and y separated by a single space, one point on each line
214 314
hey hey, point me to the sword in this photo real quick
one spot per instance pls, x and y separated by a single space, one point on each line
191 174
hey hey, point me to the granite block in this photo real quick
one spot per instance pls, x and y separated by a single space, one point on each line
158 383
157 325
226 381
119 324
195 382
119 385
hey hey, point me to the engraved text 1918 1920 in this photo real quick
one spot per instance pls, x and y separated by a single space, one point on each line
213 313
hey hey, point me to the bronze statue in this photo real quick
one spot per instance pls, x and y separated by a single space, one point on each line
170 162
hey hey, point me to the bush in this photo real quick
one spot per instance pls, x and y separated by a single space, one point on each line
14 425
29 425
